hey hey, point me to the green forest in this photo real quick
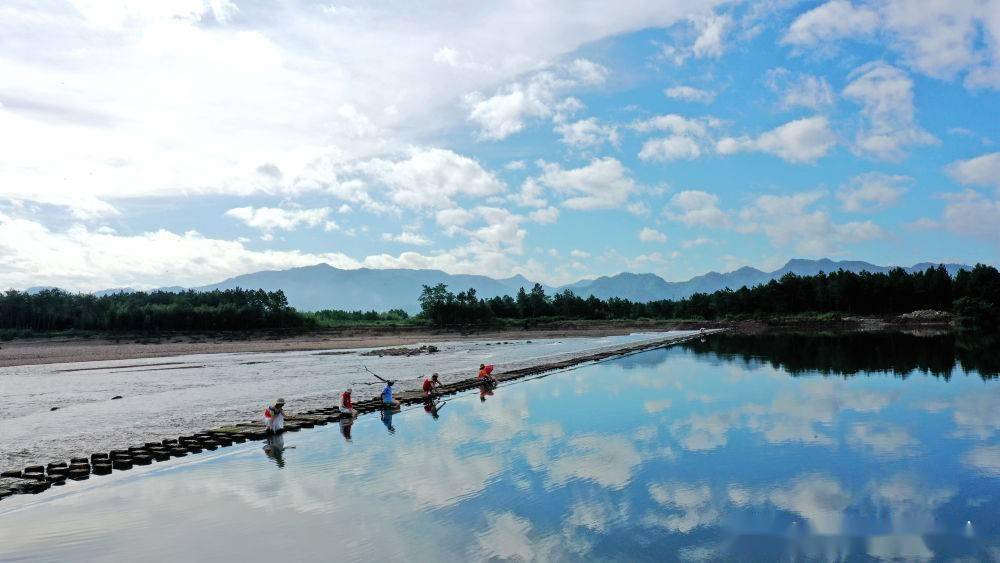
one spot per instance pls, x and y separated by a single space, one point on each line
973 296
970 295
232 309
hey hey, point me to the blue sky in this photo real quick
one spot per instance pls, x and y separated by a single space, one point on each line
179 144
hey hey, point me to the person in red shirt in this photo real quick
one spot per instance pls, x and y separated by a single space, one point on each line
346 406
430 385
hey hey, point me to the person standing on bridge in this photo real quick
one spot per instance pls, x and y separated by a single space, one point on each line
274 417
387 399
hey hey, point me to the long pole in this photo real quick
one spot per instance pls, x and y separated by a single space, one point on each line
380 378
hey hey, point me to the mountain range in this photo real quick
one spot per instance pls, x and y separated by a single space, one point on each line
322 286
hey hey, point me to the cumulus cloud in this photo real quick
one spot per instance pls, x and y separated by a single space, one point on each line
603 184
799 90
407 237
830 21
983 170
694 207
276 218
36 255
788 220
684 140
937 39
801 140
971 213
690 94
872 191
886 97
588 132
430 178
651 235
506 112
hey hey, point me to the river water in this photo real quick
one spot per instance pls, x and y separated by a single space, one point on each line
763 448
164 397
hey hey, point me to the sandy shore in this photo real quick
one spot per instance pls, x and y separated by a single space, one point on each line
78 349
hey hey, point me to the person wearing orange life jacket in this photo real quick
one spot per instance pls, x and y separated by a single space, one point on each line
274 417
485 372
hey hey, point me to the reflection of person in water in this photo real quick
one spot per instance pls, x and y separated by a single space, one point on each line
431 407
274 448
345 427
387 419
485 390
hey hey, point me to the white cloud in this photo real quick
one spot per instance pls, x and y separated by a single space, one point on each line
696 242
546 215
985 458
937 39
830 21
711 35
685 138
983 170
454 217
971 213
576 253
886 96
872 191
694 207
407 237
690 94
786 220
507 112
603 184
532 194
651 235
675 147
431 178
36 255
801 140
799 90
587 133
276 218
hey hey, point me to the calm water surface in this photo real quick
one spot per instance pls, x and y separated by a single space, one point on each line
738 448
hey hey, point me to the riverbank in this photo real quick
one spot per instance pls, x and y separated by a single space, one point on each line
61 348
89 348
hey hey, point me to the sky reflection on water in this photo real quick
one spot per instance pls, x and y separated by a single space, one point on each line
689 453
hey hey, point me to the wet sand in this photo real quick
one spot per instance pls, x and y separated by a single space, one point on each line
37 351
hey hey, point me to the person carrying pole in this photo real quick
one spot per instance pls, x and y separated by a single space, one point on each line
485 373
387 399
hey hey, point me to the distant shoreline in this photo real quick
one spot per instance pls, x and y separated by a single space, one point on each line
87 348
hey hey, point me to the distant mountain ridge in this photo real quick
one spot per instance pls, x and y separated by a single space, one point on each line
322 286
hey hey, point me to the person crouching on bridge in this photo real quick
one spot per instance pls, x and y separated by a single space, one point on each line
274 417
431 385
486 374
346 405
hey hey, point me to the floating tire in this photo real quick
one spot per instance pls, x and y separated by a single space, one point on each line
14 473
99 457
195 449
102 469
143 459
122 464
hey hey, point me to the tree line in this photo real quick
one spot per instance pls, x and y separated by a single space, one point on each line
231 309
972 295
